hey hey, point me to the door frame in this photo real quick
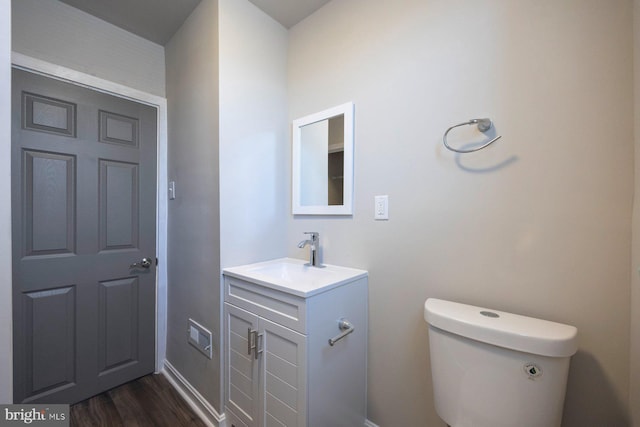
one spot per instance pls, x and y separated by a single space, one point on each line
47 69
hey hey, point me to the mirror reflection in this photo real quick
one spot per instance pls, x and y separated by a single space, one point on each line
322 157
322 162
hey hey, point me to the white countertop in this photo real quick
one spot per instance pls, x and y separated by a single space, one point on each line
295 276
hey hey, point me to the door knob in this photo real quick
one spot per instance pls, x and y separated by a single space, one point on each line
145 263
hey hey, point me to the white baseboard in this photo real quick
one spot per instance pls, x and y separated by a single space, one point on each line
368 423
196 401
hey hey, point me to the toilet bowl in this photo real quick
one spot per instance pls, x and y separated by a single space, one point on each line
496 369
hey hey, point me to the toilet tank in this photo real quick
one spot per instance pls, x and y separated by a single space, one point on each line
496 369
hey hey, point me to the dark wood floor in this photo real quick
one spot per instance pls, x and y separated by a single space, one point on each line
149 401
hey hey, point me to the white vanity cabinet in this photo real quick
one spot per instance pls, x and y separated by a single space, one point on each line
280 369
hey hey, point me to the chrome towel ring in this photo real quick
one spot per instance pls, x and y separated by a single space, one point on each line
483 126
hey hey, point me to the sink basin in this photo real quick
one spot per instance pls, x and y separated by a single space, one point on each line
294 276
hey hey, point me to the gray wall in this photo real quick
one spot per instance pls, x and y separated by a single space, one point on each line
194 217
63 35
539 224
228 143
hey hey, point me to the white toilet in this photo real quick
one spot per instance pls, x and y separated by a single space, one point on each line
497 369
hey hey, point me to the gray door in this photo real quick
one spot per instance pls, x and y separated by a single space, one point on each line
84 210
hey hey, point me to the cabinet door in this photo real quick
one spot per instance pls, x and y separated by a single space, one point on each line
284 390
242 369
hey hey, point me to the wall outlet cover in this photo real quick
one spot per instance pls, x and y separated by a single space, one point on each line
381 209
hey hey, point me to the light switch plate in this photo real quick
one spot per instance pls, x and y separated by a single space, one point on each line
172 190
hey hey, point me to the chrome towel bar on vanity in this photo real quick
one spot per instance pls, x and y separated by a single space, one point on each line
346 327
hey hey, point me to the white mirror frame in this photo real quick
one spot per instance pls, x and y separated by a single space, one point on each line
347 207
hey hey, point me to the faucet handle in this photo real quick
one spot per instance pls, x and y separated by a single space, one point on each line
314 235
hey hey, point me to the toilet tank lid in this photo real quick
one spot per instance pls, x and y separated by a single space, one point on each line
502 329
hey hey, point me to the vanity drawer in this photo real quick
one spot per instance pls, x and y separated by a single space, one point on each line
279 307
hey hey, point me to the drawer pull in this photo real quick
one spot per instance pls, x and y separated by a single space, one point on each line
346 327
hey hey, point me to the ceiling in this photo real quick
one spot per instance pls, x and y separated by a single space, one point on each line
289 12
158 20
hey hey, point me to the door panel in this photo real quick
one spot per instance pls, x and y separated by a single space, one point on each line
117 129
284 390
50 321
118 205
83 211
117 324
49 203
44 114
241 394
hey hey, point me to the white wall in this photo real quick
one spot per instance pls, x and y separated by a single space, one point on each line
254 138
6 346
539 224
62 35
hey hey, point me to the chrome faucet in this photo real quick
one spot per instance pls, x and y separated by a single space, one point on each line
314 243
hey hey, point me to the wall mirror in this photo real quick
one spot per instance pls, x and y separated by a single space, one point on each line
322 170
